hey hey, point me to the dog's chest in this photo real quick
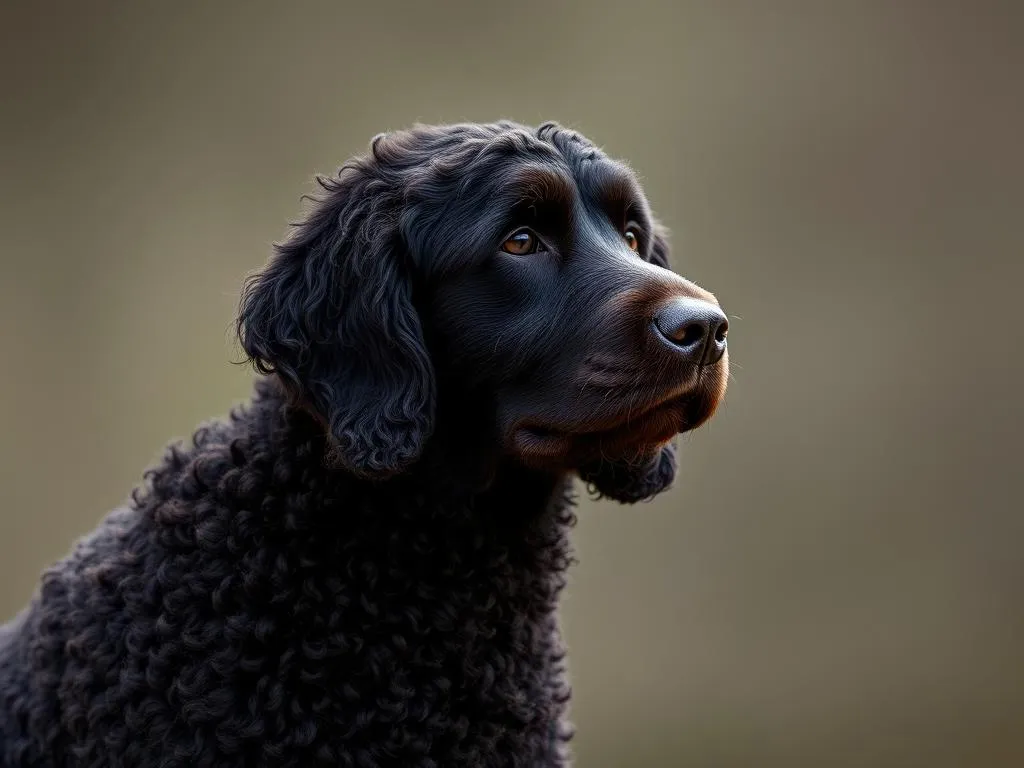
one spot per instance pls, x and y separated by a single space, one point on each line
418 646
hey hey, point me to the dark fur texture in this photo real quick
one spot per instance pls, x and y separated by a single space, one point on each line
360 567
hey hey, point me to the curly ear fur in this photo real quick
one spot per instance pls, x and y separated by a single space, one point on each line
331 314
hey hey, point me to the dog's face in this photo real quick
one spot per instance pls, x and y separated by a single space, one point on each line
510 280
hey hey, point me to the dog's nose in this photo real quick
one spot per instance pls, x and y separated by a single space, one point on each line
696 328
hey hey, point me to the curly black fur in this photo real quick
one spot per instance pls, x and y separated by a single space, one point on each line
360 567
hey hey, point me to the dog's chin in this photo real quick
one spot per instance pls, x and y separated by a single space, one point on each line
631 481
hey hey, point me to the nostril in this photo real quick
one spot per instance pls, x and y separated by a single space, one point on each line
696 329
722 331
689 335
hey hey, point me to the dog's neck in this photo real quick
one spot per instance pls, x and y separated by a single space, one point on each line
461 465
511 535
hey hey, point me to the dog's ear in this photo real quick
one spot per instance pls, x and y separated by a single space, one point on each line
630 482
331 314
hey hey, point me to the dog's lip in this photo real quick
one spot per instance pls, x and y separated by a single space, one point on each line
537 436
681 409
642 433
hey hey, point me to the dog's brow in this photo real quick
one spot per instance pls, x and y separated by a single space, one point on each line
612 184
612 188
537 184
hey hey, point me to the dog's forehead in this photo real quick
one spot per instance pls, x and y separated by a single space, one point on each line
566 174
450 164
462 197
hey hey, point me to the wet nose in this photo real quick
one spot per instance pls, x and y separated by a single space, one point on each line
697 329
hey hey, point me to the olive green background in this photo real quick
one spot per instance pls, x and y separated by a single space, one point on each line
837 578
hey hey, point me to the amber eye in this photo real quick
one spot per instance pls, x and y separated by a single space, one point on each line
521 243
631 240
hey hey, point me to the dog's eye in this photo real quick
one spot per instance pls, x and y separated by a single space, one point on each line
521 243
632 240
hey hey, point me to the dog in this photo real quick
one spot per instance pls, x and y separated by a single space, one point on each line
360 566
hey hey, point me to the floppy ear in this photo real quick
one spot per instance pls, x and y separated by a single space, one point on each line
331 314
630 482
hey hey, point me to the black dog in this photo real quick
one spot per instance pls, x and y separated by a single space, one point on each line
361 566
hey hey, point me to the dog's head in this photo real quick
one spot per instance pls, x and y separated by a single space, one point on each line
495 287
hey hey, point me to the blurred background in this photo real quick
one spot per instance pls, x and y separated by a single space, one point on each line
838 576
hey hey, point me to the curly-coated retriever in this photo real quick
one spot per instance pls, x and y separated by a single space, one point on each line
361 566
